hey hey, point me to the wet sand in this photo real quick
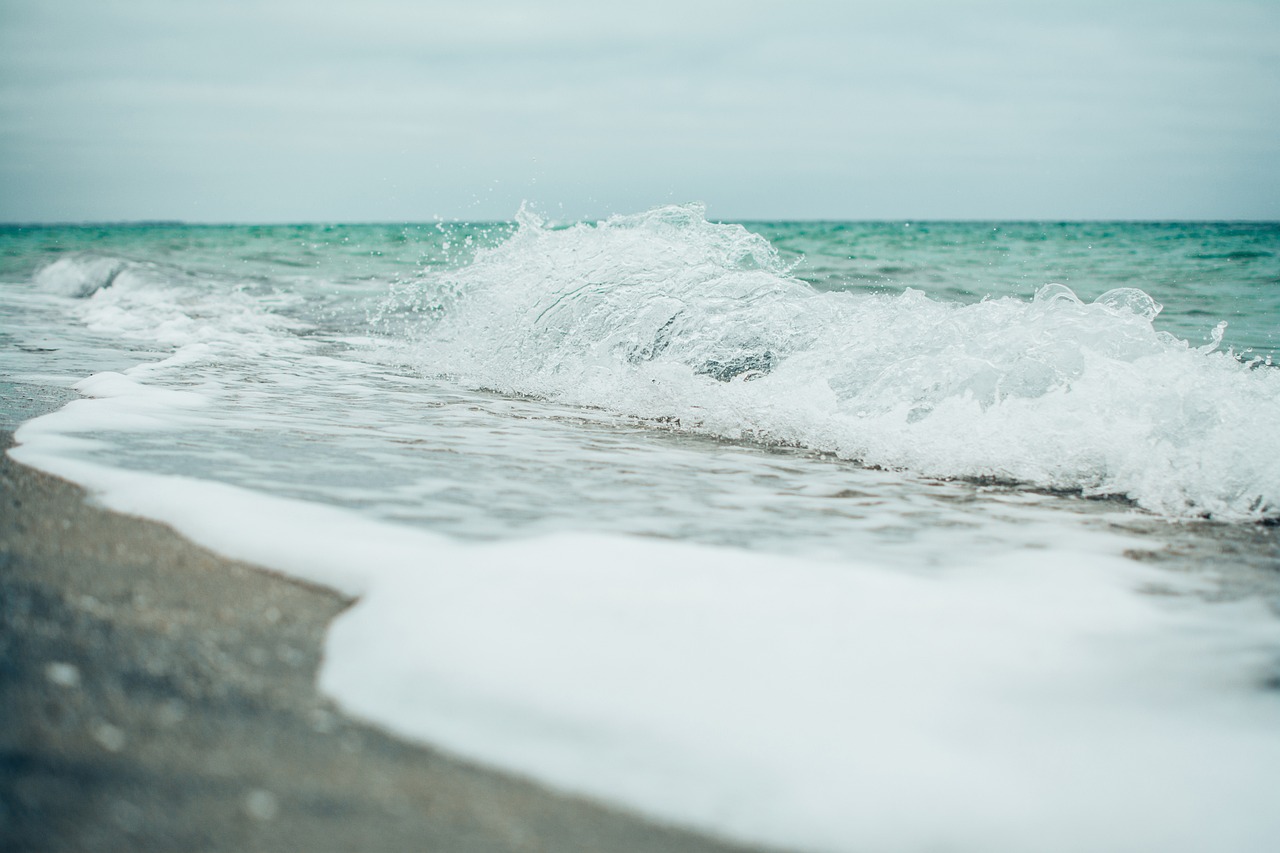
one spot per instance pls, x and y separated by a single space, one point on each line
155 696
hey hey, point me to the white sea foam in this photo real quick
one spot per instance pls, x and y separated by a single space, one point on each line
79 275
672 318
1031 702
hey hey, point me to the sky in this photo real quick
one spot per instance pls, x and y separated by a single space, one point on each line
388 110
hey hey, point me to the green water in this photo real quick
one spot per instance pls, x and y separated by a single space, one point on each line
1202 272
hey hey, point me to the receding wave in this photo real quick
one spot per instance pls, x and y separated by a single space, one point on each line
669 317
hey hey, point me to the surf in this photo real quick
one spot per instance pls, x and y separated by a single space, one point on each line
672 319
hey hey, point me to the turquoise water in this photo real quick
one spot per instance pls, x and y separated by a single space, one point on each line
925 316
1201 272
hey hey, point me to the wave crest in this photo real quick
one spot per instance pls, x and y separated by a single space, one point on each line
666 316
79 275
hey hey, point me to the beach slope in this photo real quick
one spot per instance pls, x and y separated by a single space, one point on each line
158 697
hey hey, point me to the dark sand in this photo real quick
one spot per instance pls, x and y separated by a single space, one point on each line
155 696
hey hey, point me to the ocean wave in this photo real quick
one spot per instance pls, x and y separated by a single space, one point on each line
79 275
671 318
171 306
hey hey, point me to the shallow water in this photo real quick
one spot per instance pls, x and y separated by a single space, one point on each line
667 434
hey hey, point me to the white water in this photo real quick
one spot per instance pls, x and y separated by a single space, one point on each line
643 315
897 663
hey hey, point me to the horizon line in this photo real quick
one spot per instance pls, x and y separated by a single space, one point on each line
753 220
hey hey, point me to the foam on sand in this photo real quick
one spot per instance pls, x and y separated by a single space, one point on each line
1033 702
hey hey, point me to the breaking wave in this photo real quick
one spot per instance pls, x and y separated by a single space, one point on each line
79 275
670 318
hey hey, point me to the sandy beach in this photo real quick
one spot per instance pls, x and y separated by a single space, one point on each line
158 697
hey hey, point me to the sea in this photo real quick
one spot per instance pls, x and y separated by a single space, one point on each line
820 536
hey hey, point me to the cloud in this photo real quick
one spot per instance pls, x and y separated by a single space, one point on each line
387 110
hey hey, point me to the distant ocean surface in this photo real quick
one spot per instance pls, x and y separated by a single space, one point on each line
825 535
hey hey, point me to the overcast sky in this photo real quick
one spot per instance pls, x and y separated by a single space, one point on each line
386 110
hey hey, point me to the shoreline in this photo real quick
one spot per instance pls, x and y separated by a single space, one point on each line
160 697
